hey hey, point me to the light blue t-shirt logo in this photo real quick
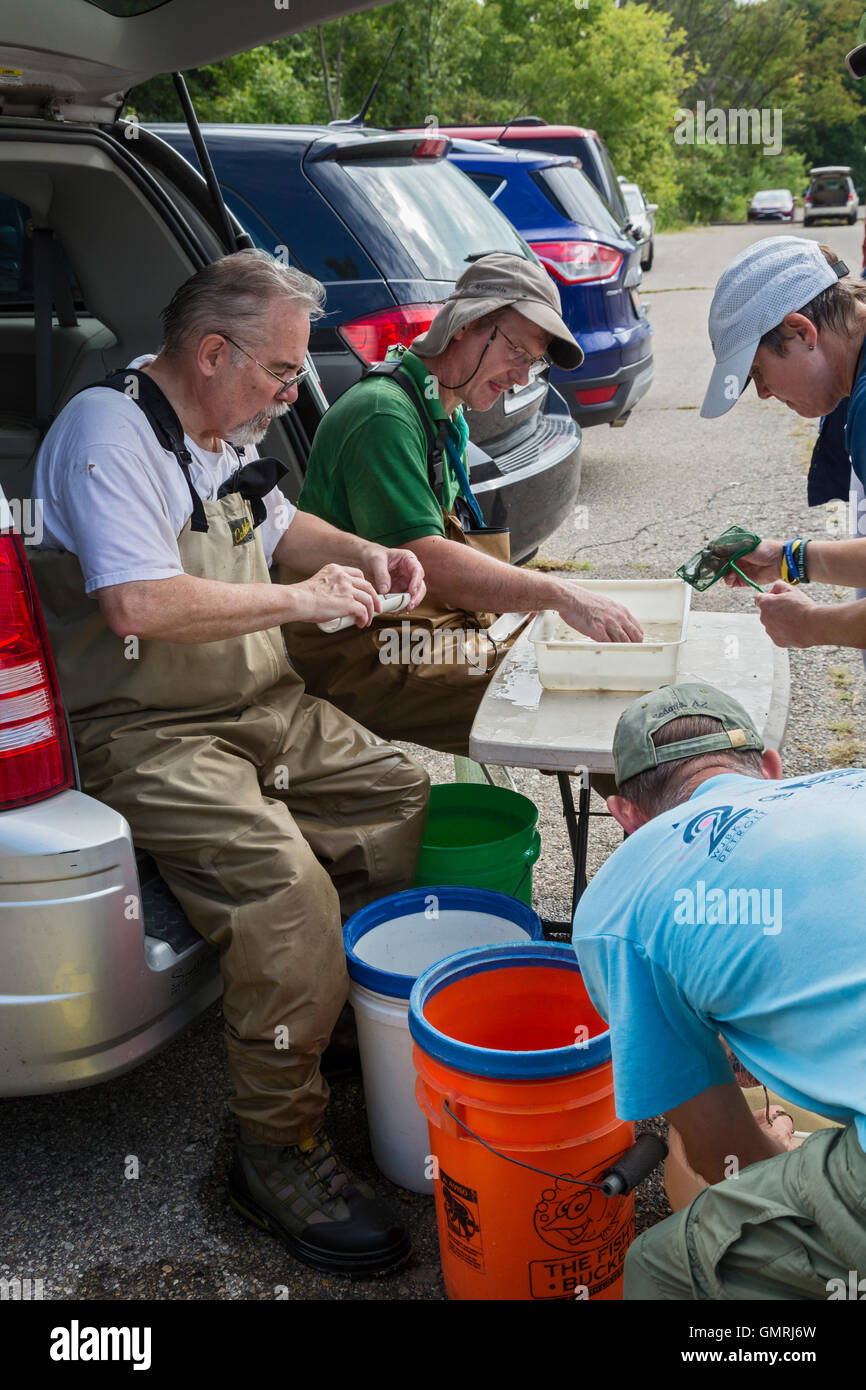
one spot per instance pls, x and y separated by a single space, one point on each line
718 820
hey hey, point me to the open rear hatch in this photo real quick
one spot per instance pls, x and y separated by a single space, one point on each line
78 58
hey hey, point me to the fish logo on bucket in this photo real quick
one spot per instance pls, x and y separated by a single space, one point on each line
570 1217
595 1232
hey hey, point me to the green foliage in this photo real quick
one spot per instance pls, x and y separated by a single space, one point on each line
624 68
276 83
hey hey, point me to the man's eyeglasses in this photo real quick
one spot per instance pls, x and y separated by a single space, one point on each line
287 384
519 355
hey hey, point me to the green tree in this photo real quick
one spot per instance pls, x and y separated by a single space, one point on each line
274 83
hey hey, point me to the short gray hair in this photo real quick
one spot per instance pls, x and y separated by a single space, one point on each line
834 309
660 788
236 292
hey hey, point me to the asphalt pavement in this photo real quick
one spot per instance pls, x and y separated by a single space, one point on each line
652 492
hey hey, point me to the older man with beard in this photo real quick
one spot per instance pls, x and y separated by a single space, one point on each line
267 811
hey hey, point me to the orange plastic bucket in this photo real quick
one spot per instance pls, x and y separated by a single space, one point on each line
509 1046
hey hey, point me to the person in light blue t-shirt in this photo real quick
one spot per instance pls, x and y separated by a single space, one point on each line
735 907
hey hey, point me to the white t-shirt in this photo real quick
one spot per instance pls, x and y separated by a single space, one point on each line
119 506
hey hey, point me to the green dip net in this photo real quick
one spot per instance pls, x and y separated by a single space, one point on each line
718 557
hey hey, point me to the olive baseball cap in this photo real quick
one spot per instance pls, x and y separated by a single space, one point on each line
634 750
503 281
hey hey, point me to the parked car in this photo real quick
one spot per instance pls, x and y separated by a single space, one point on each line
99 966
387 224
595 266
578 142
771 205
642 220
831 194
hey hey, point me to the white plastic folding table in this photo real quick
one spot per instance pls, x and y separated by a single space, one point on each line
570 733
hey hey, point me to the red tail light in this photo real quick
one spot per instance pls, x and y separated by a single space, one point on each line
35 756
596 395
433 147
372 335
576 261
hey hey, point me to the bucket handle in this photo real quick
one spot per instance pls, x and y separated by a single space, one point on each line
530 855
622 1177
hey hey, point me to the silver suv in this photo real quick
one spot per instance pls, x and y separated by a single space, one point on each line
99 223
831 194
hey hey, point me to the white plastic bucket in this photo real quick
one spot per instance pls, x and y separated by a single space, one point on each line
388 945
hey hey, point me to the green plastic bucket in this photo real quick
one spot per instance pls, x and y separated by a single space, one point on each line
482 836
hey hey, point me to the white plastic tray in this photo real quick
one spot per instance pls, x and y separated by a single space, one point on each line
568 661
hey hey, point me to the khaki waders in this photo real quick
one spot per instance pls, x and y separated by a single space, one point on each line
266 811
420 679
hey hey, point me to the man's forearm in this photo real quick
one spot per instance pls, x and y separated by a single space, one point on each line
714 1166
309 543
187 609
464 578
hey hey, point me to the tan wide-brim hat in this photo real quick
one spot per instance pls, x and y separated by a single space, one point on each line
501 281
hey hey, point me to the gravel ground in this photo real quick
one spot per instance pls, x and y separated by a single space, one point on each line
653 492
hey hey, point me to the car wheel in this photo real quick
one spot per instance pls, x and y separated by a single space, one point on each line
648 263
852 220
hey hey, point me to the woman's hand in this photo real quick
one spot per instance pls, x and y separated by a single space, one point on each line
788 616
763 565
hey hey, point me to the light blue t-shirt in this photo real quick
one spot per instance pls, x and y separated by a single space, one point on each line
741 912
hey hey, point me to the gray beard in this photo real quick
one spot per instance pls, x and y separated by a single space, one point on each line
254 430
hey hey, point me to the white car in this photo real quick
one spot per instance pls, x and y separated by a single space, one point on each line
641 220
831 194
99 966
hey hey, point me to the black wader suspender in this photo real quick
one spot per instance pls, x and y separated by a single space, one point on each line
435 437
252 480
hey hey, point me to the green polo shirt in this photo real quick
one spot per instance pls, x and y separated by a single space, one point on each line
368 465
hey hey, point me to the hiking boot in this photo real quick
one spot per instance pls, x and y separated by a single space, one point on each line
328 1219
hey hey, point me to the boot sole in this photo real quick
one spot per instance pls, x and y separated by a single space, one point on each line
363 1264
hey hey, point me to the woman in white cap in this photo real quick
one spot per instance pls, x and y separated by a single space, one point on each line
786 316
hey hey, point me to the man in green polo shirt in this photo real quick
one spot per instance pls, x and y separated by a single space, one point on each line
388 463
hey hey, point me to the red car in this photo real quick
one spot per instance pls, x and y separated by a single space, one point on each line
772 205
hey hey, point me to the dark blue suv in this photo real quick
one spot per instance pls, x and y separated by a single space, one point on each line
595 265
387 223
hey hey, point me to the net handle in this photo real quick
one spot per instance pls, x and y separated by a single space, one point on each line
742 576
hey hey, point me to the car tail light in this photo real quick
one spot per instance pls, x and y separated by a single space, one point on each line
852 197
35 755
596 395
433 147
807 199
575 261
372 335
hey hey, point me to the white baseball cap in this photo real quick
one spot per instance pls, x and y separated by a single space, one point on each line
771 278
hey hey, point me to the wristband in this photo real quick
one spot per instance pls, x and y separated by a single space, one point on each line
800 557
790 573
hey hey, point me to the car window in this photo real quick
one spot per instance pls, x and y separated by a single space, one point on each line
490 184
577 198
16 258
262 234
832 185
437 214
633 201
612 191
